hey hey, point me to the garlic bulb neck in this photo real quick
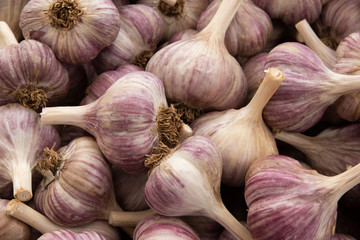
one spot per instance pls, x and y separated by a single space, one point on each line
345 181
31 97
142 58
22 179
131 219
7 37
171 8
64 14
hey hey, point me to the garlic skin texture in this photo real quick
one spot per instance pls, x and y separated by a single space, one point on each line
31 67
70 235
90 27
10 13
184 15
80 191
291 12
140 32
249 30
11 228
22 142
161 227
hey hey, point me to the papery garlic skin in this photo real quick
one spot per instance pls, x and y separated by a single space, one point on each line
291 12
10 13
184 17
249 30
95 28
70 235
31 64
82 186
11 228
22 142
161 227
140 32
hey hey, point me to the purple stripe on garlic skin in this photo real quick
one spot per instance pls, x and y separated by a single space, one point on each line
70 235
82 186
141 30
249 30
291 12
96 28
23 140
161 227
31 62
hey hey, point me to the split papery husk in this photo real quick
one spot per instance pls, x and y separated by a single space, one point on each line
31 75
177 15
44 225
291 12
199 72
83 29
22 141
308 89
10 13
99 86
330 152
162 227
70 235
70 194
286 200
171 190
140 32
241 135
12 228
240 39
125 121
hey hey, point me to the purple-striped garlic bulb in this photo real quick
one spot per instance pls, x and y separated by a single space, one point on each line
30 73
199 72
127 121
161 227
70 235
77 187
102 82
11 228
24 213
308 89
177 15
10 13
22 141
247 33
76 30
291 12
185 181
241 134
140 32
286 200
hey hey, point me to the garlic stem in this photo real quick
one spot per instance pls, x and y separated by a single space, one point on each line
169 2
220 22
298 140
21 177
326 54
346 180
227 220
7 37
266 90
24 213
341 84
119 218
64 115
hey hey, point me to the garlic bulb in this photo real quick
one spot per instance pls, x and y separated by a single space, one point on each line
348 60
11 228
161 227
185 181
10 13
206 228
292 12
70 235
199 72
70 193
308 89
241 135
249 30
286 201
75 30
30 74
127 121
177 15
42 224
140 32
102 82
21 144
